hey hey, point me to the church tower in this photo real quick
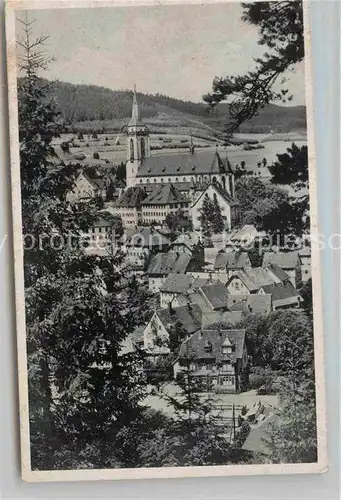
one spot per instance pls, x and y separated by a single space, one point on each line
137 143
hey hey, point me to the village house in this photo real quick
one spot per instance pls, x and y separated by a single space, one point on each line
141 244
157 331
177 285
245 237
288 261
217 359
87 187
163 264
189 243
229 206
284 295
250 303
248 280
226 263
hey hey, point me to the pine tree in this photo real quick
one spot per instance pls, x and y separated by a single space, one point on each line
206 215
217 218
79 310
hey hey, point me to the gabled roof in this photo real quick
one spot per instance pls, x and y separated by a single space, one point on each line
147 237
177 283
215 294
280 291
221 317
189 316
285 260
232 260
246 233
278 272
253 278
96 182
194 347
188 239
256 440
200 162
165 194
131 198
171 262
226 196
252 303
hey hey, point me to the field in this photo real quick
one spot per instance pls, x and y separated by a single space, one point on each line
112 148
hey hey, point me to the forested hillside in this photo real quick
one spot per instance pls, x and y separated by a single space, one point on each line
105 108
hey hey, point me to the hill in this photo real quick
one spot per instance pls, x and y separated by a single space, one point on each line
101 109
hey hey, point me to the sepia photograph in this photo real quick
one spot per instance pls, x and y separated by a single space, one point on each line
166 260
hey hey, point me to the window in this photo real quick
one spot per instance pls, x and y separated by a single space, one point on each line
236 285
132 153
177 179
143 148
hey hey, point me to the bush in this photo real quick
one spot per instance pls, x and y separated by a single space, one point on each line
263 380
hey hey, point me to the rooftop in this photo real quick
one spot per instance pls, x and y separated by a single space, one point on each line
165 194
285 260
232 260
171 262
131 198
253 278
188 316
200 162
195 345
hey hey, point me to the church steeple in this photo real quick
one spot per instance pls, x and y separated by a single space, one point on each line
137 144
135 114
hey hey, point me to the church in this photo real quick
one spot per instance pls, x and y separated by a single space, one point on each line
189 174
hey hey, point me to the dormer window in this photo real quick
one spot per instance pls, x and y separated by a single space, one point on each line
178 169
208 346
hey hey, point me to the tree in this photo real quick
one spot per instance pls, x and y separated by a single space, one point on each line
121 172
178 221
306 293
211 219
292 438
281 31
79 309
291 169
218 221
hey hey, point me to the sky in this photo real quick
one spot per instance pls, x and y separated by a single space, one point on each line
175 50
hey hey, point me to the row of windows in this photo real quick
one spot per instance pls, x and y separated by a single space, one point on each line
178 179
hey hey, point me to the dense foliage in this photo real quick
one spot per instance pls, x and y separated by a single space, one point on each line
281 32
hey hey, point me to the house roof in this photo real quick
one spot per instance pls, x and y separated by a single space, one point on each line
96 182
171 262
131 198
101 221
189 316
177 283
278 272
253 278
195 345
285 260
281 291
165 194
246 232
200 162
255 441
147 237
187 239
231 260
226 196
215 294
252 303
220 317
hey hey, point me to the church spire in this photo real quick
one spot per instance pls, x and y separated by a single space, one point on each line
135 114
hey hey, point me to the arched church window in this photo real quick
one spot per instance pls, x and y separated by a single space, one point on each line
143 148
214 180
132 154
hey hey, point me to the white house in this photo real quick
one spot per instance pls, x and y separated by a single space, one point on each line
229 206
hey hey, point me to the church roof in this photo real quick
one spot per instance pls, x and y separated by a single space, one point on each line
165 194
200 162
